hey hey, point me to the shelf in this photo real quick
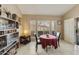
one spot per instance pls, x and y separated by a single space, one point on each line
10 29
2 35
7 47
1 29
8 19
8 34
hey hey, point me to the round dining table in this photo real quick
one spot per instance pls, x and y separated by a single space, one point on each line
48 39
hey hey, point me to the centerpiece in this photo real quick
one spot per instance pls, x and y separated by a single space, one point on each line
47 35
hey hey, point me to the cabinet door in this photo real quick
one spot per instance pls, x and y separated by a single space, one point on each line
69 30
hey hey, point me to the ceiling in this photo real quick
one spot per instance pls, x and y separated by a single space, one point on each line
45 9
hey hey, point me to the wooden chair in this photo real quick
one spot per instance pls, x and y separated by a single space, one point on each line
37 41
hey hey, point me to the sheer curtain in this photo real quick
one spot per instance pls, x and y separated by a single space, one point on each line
45 26
33 26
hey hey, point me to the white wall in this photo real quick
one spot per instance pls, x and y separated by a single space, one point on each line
74 12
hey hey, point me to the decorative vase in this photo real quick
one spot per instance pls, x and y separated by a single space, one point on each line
14 16
47 35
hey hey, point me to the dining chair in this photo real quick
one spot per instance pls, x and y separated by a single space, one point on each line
54 33
58 34
40 33
37 41
46 32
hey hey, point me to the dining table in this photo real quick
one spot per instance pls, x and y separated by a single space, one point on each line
48 39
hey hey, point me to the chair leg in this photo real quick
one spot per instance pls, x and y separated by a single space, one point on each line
36 47
58 44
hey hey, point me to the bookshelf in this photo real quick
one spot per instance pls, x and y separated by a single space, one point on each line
9 34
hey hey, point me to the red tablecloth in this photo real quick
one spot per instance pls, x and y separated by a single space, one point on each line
50 40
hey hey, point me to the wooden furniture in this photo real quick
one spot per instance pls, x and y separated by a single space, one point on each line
25 39
37 41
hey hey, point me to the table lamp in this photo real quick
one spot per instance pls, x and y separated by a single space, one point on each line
25 32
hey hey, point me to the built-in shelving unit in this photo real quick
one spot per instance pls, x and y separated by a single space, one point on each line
7 48
9 34
7 18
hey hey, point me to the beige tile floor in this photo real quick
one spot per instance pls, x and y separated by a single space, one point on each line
64 49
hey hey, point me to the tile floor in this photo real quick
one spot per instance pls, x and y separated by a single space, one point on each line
64 49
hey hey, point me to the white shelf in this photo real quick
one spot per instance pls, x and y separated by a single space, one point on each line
8 19
14 40
10 29
7 34
9 48
10 33
2 35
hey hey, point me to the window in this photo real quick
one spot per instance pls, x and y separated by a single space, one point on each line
42 26
33 26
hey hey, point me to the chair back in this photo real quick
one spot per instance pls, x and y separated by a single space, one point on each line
36 37
46 32
58 35
54 33
40 33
